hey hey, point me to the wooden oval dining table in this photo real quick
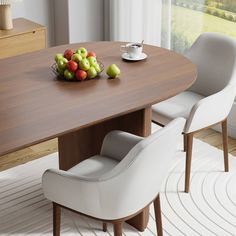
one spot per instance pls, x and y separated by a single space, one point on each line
35 106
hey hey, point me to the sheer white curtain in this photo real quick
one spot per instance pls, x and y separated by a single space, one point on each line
133 20
174 24
166 24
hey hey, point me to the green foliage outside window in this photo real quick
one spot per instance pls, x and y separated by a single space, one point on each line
192 17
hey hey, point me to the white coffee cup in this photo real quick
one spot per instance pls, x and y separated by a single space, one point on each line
134 50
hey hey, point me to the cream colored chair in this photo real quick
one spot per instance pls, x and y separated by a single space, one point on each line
211 97
117 184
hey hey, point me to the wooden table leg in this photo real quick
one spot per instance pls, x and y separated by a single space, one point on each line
79 145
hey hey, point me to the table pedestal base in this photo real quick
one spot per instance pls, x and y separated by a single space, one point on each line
84 143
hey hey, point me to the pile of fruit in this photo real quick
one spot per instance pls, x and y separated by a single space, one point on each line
81 65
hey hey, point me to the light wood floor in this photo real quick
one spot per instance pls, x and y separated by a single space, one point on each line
34 152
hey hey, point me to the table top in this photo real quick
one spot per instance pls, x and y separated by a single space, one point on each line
35 106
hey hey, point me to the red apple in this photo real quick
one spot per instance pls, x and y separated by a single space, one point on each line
81 75
72 66
91 54
68 54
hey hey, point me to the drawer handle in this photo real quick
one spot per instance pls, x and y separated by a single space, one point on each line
34 32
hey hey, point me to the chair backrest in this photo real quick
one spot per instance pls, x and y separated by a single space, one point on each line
215 57
137 179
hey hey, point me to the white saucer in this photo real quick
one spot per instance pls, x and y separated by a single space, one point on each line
127 57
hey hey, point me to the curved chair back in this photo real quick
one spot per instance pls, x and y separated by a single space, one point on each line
215 57
136 180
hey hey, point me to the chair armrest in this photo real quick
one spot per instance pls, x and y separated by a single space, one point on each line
69 190
117 144
211 110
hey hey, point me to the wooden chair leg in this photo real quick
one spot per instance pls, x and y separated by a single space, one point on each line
188 161
104 227
225 144
56 219
157 208
118 229
185 142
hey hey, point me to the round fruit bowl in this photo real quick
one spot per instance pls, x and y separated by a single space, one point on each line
61 77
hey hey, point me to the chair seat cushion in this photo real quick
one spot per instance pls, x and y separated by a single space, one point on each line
94 167
177 106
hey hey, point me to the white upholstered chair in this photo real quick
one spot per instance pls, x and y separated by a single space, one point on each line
117 184
211 97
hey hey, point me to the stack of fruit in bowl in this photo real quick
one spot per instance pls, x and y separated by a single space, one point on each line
78 65
81 65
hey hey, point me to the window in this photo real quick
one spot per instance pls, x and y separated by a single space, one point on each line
189 18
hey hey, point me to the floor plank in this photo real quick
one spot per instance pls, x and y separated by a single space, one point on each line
28 154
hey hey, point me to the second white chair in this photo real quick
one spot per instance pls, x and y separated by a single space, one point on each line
210 99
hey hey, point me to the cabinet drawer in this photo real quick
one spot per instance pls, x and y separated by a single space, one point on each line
22 43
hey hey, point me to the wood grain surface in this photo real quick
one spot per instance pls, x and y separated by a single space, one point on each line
21 26
79 145
26 36
35 106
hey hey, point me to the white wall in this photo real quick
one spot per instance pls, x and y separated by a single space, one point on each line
86 20
70 21
67 21
79 21
61 22
39 11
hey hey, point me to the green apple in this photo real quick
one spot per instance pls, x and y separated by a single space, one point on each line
60 71
76 57
97 67
113 71
92 73
62 63
84 64
92 61
82 51
69 74
58 57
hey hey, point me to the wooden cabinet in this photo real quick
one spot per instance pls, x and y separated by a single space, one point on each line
26 36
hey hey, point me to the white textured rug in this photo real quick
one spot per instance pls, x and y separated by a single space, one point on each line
209 209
